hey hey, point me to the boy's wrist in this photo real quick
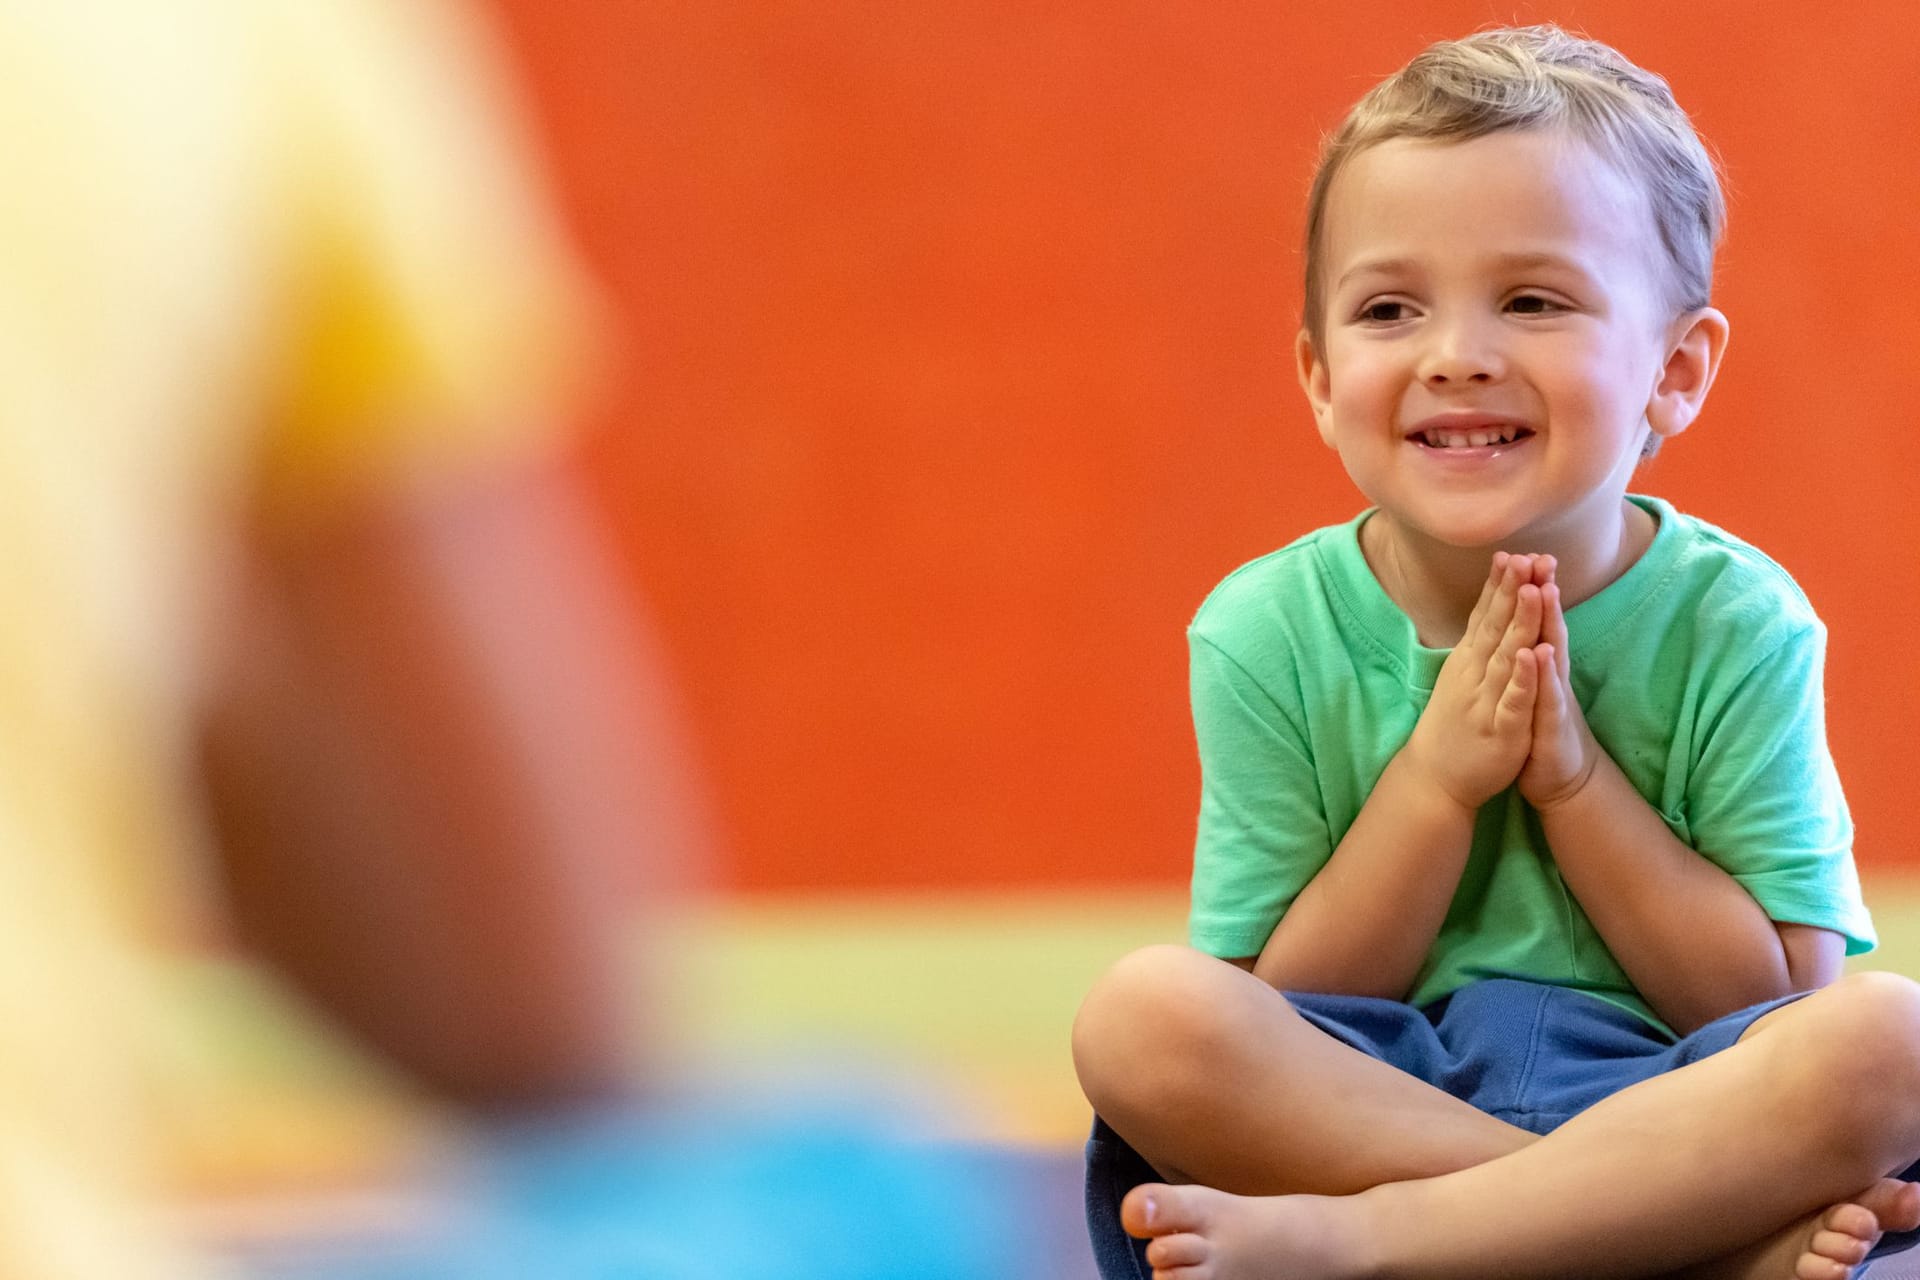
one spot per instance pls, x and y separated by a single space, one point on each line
1408 773
1558 799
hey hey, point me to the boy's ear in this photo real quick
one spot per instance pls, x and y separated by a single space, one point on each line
1697 341
1314 381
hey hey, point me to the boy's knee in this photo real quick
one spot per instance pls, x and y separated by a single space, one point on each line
1155 1011
1143 992
1874 1014
1884 1008
1859 1050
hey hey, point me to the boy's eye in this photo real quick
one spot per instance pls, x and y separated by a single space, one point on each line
1532 304
1383 312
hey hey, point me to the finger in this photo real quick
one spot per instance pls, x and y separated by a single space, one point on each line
1553 629
1516 709
1499 614
1495 572
1523 630
1544 568
1548 703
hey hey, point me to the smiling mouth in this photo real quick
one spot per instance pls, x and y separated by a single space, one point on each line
1444 438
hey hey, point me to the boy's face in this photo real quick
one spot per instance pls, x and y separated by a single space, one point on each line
1494 336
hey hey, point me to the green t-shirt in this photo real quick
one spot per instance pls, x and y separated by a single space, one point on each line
1699 671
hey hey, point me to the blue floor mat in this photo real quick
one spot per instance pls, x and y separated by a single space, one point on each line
702 1194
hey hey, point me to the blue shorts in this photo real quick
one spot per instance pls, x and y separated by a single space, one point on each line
1532 1055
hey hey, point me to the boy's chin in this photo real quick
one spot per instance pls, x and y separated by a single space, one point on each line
1466 531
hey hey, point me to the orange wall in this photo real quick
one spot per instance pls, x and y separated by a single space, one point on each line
957 372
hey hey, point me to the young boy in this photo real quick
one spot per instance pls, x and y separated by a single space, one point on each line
1516 786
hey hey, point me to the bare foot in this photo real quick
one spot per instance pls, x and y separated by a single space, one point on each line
1826 1246
1197 1233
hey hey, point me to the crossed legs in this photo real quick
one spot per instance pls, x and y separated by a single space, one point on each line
1214 1078
1340 1165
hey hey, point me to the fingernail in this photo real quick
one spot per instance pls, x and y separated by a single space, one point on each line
1152 1210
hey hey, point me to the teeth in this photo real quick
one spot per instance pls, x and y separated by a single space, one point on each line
1470 439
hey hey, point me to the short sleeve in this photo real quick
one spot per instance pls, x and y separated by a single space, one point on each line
432 311
1765 801
1263 831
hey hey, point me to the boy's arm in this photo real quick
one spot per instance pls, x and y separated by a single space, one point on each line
1693 941
1364 924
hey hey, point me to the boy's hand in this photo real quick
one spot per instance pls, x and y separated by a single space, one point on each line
1479 725
1564 749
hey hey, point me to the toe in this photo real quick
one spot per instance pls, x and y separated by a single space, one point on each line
1183 1250
1895 1203
1155 1209
1850 1250
1851 1219
1812 1266
1904 1213
1140 1211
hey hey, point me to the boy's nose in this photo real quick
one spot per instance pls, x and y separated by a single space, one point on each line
1460 353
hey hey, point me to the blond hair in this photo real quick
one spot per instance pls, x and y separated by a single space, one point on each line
1541 77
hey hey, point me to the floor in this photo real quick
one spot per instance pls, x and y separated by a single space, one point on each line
905 1056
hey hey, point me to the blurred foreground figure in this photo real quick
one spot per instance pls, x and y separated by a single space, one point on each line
298 619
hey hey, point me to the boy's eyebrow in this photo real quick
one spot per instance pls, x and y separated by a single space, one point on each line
1520 261
1376 266
1540 259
